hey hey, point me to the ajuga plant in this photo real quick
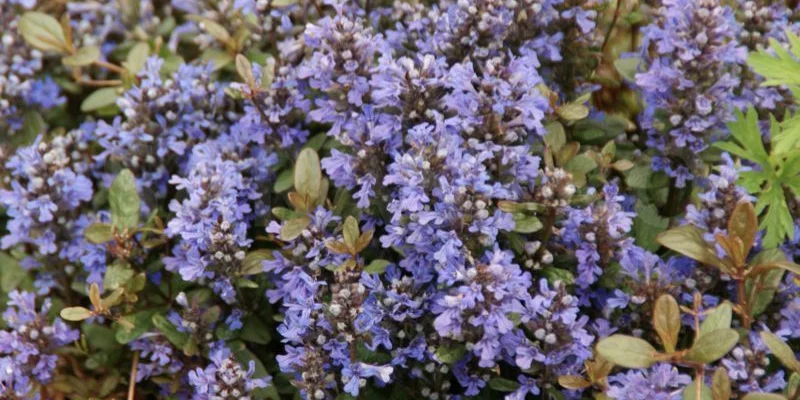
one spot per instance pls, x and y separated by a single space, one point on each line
399 199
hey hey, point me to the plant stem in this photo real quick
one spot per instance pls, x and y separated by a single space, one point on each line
742 299
611 26
100 83
132 382
109 66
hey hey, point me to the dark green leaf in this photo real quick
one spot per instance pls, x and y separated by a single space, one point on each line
170 331
451 354
254 330
503 384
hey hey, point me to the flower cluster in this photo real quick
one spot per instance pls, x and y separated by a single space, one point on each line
27 348
690 53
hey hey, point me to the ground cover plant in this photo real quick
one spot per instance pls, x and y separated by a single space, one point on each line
405 199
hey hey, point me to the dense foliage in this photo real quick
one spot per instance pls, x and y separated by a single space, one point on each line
374 199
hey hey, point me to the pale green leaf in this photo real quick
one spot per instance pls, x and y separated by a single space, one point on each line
43 32
84 56
75 313
100 98
712 346
125 202
627 351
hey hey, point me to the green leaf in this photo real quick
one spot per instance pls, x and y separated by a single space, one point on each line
100 98
117 274
719 318
307 173
793 385
11 273
580 164
125 202
763 396
84 56
643 177
573 382
284 181
140 322
721 384
293 228
764 295
556 137
647 225
451 354
524 223
43 32
377 266
778 69
75 313
255 331
747 135
553 274
503 385
781 350
170 331
667 321
628 67
33 125
351 232
712 346
245 356
98 233
573 111
627 351
254 262
214 29
742 224
219 58
100 337
245 70
690 392
137 57
283 3
688 240
777 220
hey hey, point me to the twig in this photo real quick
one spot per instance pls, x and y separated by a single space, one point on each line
109 66
132 383
100 83
611 26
